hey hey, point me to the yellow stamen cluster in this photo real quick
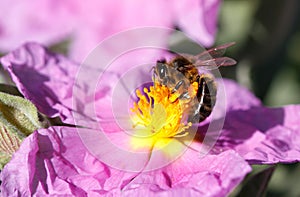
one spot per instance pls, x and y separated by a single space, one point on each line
158 115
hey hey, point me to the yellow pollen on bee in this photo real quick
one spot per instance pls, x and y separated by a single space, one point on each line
157 117
193 89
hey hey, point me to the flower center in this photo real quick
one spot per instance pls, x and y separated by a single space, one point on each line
159 115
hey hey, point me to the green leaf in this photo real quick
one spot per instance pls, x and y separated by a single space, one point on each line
18 118
9 143
18 115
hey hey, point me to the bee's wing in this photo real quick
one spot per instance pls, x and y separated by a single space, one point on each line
217 51
212 58
215 63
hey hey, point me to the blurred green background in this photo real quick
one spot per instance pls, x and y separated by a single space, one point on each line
268 53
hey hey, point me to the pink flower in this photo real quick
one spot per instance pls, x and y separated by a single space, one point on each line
87 23
56 161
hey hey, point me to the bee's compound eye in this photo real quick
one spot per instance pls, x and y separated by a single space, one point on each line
161 70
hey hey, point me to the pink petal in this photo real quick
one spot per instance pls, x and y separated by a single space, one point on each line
212 175
53 161
98 21
231 96
60 87
237 96
87 24
264 135
198 19
44 78
259 134
35 20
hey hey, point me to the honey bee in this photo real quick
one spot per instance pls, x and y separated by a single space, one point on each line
181 73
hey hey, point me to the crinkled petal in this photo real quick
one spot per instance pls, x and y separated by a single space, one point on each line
53 161
263 135
60 87
212 175
259 134
44 78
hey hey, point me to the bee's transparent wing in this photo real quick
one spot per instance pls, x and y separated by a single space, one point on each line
212 58
217 51
215 63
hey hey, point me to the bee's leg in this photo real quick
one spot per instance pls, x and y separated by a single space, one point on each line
185 96
177 92
177 86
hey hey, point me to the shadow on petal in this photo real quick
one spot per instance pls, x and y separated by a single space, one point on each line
240 125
